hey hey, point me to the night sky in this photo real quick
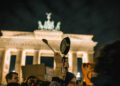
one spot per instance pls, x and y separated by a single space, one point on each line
98 17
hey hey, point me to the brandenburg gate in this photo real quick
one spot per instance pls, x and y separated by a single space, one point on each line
22 43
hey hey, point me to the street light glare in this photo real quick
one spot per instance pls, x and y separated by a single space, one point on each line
78 75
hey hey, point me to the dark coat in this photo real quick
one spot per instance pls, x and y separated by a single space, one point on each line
13 84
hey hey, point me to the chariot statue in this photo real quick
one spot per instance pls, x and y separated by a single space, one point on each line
49 25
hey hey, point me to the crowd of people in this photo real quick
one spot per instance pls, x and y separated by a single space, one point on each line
106 69
12 80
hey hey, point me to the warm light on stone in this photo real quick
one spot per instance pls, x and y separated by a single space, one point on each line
21 44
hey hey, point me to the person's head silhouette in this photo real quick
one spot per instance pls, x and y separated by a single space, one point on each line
107 60
70 79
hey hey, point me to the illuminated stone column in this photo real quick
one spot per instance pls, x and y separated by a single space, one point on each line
72 60
90 57
74 63
23 58
1 62
22 62
39 57
36 57
87 57
5 65
18 63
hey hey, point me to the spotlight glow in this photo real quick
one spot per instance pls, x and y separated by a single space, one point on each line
78 75
13 70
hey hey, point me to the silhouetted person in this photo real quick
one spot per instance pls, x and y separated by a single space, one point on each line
70 79
12 79
56 82
78 83
107 68
83 83
31 81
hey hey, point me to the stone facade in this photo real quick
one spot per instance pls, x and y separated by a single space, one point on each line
30 43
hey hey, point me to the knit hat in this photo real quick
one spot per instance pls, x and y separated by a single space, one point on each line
69 77
57 79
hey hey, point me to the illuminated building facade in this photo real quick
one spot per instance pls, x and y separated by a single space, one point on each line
22 44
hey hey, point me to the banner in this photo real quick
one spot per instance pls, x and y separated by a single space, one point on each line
37 70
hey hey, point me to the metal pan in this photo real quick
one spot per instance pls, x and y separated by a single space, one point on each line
65 45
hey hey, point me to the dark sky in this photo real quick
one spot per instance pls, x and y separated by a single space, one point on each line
98 17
